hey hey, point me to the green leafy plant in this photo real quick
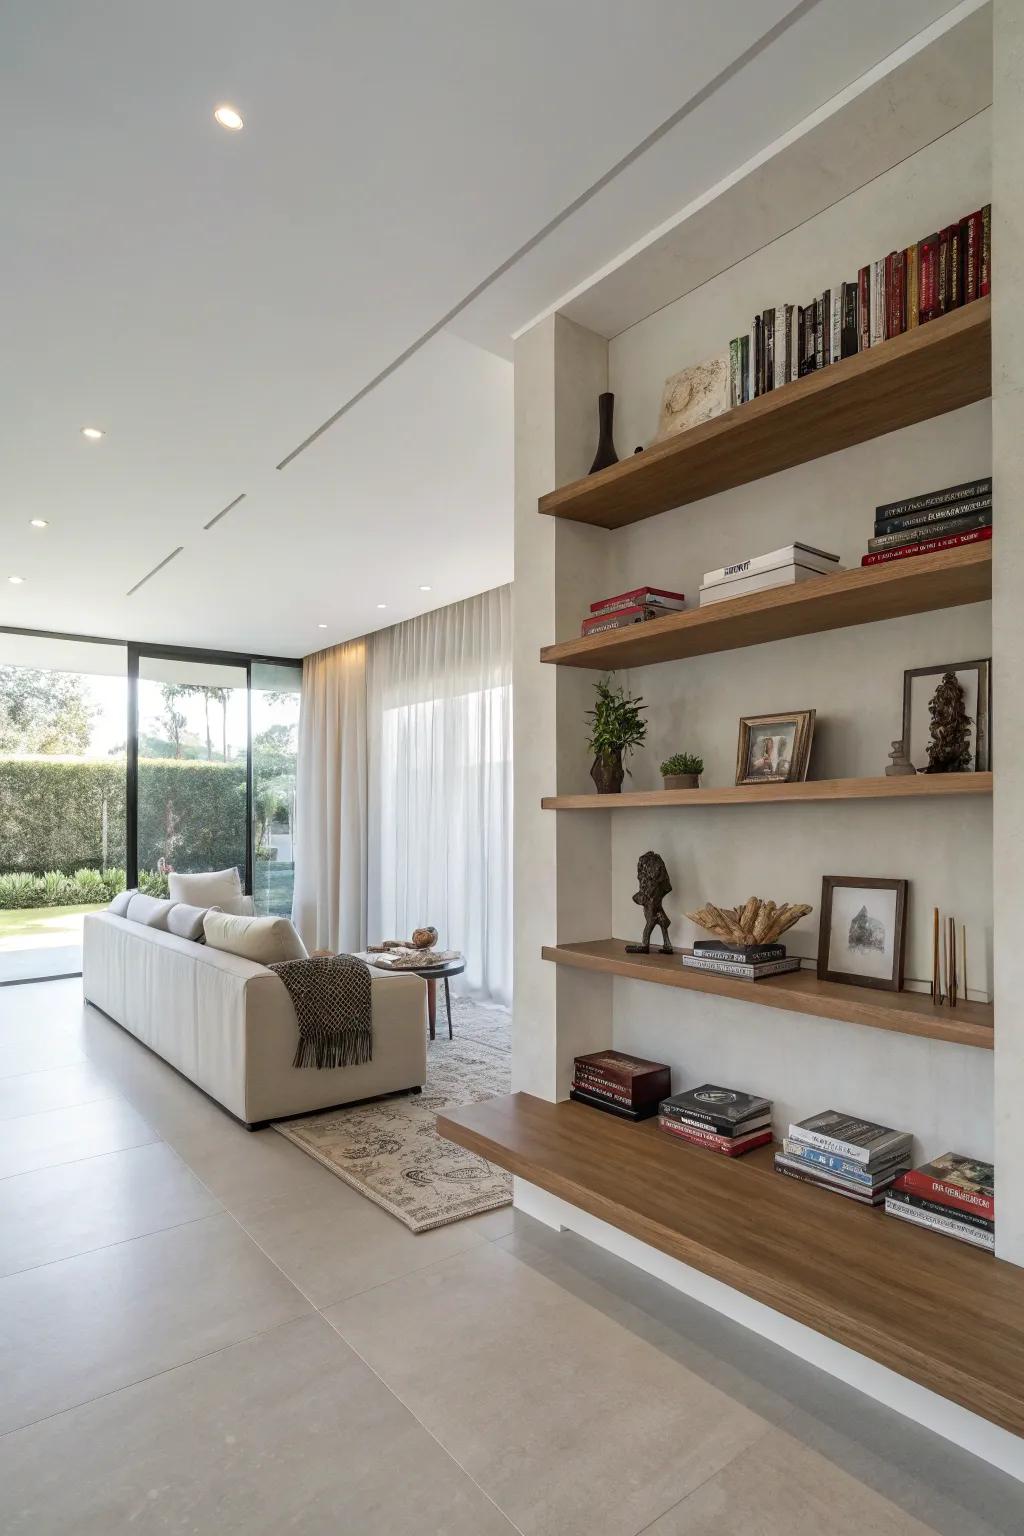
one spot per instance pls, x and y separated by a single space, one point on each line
682 762
617 723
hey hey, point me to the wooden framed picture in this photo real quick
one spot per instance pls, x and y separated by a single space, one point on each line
862 932
774 749
921 687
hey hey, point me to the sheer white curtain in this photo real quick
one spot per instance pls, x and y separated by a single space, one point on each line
329 905
440 785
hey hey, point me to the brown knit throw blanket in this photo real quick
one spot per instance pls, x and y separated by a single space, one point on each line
331 995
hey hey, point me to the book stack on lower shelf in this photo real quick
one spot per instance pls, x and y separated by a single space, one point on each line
634 607
925 525
851 1157
750 962
718 1119
779 568
953 1195
628 1086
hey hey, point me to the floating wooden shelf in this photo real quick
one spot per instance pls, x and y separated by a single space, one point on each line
920 786
942 1314
863 595
926 372
905 1013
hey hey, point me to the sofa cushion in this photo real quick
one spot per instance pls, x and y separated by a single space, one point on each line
119 905
214 888
150 911
187 922
267 940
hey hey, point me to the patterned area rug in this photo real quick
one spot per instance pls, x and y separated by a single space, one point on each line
390 1150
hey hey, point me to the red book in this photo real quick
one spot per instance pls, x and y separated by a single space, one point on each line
639 595
986 249
960 1183
945 284
731 1146
927 547
973 242
641 1080
957 247
864 309
928 282
619 618
896 287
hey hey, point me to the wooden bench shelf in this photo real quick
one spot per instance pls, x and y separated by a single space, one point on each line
921 786
948 1317
863 595
905 1013
926 372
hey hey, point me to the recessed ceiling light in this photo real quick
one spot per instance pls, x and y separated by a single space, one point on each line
228 117
38 522
321 626
92 433
382 605
15 581
426 589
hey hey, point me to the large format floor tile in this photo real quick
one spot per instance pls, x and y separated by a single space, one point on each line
63 1135
55 1213
32 1093
285 1432
565 1419
74 1330
333 1243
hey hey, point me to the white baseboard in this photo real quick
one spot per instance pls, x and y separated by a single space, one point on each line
987 1441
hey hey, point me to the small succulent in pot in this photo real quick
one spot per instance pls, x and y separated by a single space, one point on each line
617 727
682 770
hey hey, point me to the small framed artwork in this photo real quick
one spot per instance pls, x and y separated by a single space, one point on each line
862 933
965 717
774 749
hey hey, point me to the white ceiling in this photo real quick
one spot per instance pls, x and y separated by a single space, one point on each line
210 299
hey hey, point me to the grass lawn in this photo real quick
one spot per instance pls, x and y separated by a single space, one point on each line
33 920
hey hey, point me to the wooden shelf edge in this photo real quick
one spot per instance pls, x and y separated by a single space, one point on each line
921 374
878 1284
905 1013
920 786
860 595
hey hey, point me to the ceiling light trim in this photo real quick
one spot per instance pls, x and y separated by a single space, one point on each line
150 574
223 512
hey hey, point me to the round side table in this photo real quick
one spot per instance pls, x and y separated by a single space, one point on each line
432 974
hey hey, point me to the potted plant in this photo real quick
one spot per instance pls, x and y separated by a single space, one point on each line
616 728
682 771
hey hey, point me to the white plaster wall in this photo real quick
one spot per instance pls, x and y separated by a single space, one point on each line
853 678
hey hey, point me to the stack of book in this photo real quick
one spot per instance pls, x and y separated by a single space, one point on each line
953 1195
907 288
719 1119
779 568
620 1084
922 525
749 962
842 1153
634 607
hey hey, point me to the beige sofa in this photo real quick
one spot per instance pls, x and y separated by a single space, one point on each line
229 1026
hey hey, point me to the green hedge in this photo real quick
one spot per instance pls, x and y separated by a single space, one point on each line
191 813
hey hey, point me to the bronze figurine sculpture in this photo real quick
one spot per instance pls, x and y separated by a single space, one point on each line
652 878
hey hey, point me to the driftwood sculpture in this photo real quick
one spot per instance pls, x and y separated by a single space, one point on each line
652 878
756 922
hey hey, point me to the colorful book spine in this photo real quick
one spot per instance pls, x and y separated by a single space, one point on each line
737 968
731 1146
963 492
848 339
957 246
735 387
919 1203
928 281
862 1197
973 252
928 547
830 1162
592 1084
954 524
933 515
986 251
917 1182
878 302
913 278
864 309
944 1226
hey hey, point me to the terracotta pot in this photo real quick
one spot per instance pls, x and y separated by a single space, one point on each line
607 773
682 781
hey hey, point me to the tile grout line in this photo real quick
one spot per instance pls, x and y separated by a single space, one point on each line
769 1429
70 1162
118 1242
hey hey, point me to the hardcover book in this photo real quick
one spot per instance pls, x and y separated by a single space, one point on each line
721 1108
829 1180
731 1146
830 1162
642 1112
745 954
945 1227
762 581
963 523
934 515
950 493
913 278
641 1078
750 1127
621 618
946 1212
928 279
955 1180
862 1141
789 554
928 546
805 1176
738 968
639 595
863 309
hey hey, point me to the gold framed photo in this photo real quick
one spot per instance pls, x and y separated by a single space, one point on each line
774 749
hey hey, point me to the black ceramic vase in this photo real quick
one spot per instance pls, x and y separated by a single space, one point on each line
605 454
607 773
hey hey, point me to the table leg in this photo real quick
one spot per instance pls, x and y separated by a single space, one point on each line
432 1003
448 1005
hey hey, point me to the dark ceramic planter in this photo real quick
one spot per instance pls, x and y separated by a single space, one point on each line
607 773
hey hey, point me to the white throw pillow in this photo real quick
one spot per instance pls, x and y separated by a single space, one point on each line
187 922
150 911
267 940
215 888
119 905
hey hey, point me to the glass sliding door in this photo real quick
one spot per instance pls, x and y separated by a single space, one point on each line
63 725
275 725
192 768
